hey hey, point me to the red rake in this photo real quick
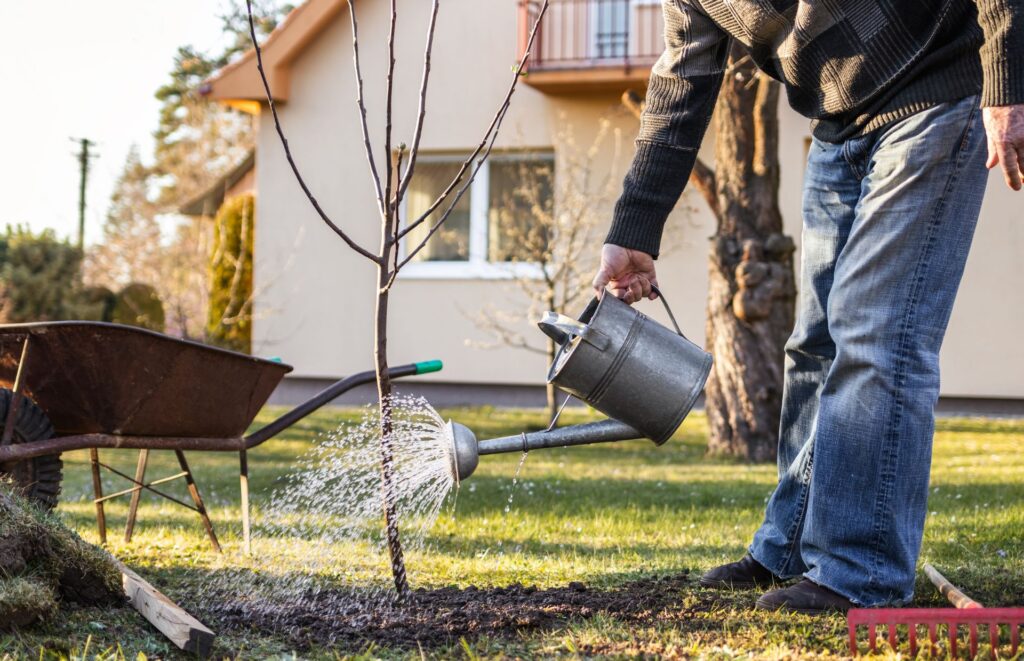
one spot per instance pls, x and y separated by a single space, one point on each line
968 613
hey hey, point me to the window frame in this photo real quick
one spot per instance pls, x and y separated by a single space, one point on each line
477 267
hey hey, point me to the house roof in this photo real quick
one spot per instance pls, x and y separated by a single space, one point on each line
238 84
207 202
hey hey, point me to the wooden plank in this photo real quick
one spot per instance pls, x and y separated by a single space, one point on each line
182 629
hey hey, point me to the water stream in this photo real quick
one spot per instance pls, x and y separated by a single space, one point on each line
319 538
515 480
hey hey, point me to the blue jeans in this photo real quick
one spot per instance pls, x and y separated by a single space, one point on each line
888 222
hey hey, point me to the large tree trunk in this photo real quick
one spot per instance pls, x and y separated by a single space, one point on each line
751 290
386 454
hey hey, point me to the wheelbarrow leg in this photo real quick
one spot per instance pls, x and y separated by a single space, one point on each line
133 506
193 491
97 490
243 478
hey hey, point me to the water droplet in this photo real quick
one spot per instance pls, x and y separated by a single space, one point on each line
515 479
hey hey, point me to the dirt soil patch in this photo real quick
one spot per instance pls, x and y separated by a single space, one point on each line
439 617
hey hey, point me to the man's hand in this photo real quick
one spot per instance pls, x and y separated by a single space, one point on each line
1004 126
628 273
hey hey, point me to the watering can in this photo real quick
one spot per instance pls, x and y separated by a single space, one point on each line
643 376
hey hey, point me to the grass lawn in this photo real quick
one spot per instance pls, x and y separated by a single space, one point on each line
602 515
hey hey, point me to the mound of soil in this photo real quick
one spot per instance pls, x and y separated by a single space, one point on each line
433 618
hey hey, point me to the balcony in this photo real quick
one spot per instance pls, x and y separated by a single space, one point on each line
592 45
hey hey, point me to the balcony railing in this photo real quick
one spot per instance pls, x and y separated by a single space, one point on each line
587 34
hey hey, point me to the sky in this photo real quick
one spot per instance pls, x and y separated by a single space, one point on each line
83 68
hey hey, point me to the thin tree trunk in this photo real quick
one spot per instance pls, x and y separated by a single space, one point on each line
552 350
751 291
387 462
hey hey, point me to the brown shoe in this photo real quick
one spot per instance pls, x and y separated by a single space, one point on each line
745 574
805 597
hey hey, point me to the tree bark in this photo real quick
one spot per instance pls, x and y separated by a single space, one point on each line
387 462
751 290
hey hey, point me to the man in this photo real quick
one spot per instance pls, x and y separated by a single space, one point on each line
904 95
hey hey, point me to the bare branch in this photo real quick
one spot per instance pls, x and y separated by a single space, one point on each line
287 151
703 179
421 112
632 101
374 173
487 142
388 118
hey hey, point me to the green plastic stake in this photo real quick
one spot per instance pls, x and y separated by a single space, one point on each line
428 366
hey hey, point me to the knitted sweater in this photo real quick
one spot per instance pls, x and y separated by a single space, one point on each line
851 66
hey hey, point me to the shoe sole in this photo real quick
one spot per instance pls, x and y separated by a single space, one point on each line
735 585
760 605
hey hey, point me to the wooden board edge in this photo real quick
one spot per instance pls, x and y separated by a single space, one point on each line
171 620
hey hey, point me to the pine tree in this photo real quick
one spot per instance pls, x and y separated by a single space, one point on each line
197 141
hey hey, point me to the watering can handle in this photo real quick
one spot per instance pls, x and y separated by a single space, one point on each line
664 301
560 328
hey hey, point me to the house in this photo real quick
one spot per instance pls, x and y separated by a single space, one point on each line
314 298
238 180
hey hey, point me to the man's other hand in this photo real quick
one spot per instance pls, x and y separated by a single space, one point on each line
1004 126
627 273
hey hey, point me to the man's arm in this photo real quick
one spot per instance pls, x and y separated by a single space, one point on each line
680 98
1002 91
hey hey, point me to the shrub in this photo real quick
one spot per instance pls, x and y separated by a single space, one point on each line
138 305
40 278
97 304
229 322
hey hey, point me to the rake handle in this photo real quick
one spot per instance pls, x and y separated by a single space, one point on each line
948 590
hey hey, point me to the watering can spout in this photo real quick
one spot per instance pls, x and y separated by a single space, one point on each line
466 450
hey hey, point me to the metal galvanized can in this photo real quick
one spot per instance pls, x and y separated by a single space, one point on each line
628 366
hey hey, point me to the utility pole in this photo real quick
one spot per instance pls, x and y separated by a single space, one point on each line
83 169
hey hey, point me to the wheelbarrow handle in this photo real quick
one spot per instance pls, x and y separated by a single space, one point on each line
331 393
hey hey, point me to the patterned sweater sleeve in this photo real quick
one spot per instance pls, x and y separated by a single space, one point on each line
1002 55
681 95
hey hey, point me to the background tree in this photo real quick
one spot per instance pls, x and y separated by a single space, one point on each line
40 276
229 322
196 141
551 220
390 183
751 290
130 249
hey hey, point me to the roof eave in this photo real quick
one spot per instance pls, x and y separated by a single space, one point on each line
239 85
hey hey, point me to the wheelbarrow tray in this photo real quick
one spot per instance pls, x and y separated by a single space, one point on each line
94 377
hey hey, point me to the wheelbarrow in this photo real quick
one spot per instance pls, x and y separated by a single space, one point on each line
73 385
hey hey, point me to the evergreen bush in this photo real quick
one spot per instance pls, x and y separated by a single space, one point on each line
229 322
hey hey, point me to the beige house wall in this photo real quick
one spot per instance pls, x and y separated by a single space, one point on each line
314 298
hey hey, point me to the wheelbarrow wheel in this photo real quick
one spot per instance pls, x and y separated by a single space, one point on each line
39 477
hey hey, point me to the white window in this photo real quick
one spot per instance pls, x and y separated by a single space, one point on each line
496 226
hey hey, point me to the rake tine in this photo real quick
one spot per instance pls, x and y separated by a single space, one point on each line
931 634
1014 637
871 636
852 626
993 637
892 636
974 639
953 631
912 631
